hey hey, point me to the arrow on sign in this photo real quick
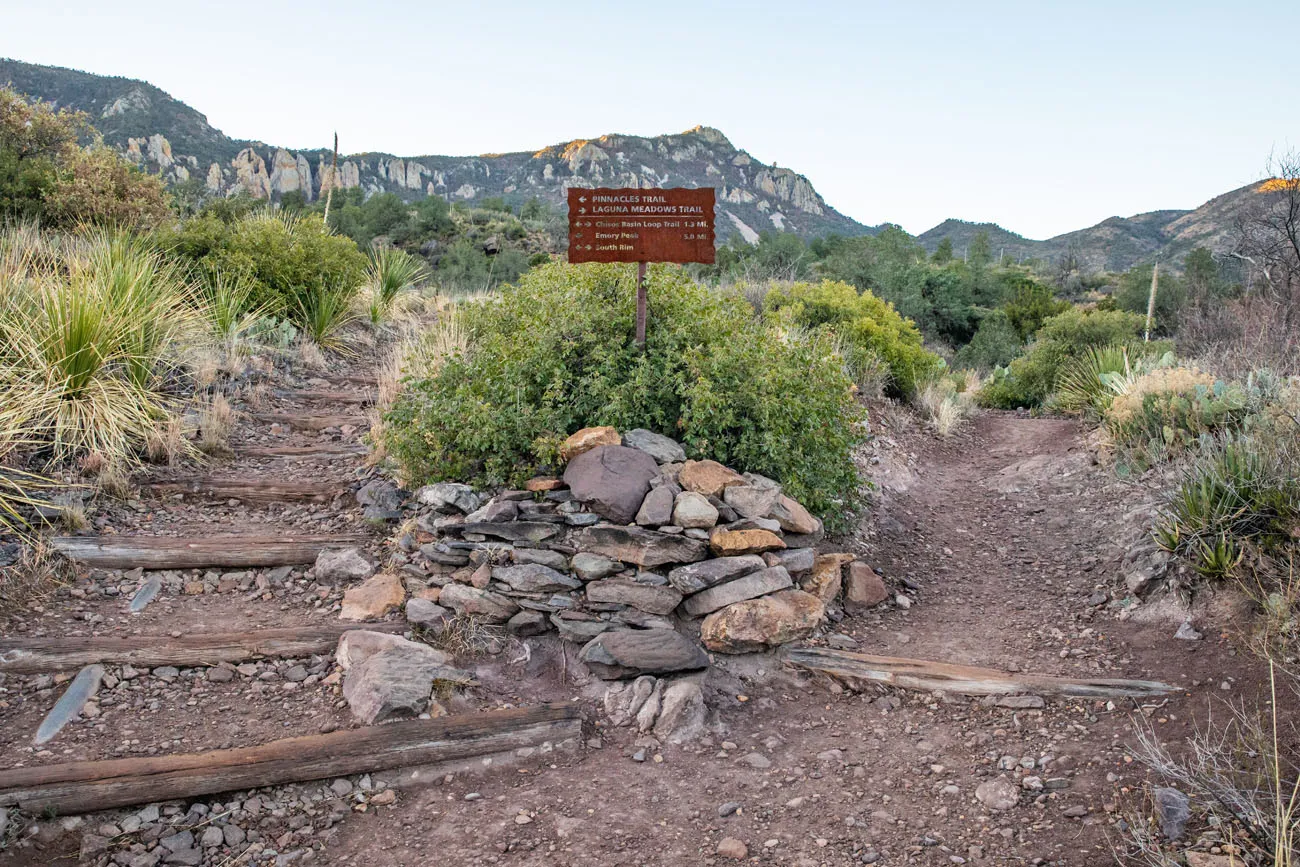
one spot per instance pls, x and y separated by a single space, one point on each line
582 198
582 210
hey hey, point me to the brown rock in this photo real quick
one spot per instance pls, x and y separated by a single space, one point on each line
826 580
794 518
543 483
709 478
428 594
614 655
493 607
864 588
1207 859
643 597
732 848
587 439
694 511
757 624
374 598
644 548
482 576
358 645
612 480
735 543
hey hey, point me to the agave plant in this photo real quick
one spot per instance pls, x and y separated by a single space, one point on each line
391 272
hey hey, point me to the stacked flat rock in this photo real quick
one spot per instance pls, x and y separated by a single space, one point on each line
633 538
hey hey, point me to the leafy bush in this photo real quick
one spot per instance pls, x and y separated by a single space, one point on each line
1032 378
556 353
996 341
867 325
287 259
1031 306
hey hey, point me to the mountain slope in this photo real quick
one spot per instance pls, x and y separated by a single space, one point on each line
167 137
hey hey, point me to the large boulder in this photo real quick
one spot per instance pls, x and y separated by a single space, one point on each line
734 543
694 511
748 587
709 478
374 598
863 589
633 652
611 480
587 439
643 597
682 712
535 578
700 576
827 576
645 548
657 446
757 624
464 599
395 682
794 518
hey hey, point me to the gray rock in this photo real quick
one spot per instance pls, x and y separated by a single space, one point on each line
612 481
233 835
624 701
643 597
728 809
380 494
1187 632
184 857
701 576
74 698
998 795
535 578
10 553
748 587
633 652
579 631
449 496
754 500
427 615
657 446
582 519
513 531
465 599
148 591
543 556
682 713
756 760
528 623
499 511
180 840
335 566
657 507
795 560
212 837
394 682
1173 809
641 547
694 511
593 567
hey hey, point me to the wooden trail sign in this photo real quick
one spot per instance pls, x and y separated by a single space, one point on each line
635 225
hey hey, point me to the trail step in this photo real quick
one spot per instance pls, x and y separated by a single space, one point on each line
316 395
166 552
312 423
324 450
250 490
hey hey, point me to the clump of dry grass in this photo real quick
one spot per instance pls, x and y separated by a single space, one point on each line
310 354
216 422
166 444
467 635
114 481
36 574
949 401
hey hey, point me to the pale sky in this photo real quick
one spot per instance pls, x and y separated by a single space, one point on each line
1043 117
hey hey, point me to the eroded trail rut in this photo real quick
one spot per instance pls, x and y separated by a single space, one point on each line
1002 540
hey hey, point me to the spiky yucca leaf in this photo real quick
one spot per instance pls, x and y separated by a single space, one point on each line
390 273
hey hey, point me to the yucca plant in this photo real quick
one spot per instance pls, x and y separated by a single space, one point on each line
323 314
390 273
230 309
1088 383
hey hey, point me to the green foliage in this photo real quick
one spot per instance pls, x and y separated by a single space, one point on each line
1085 383
994 343
1169 409
324 313
868 327
942 254
390 273
555 353
467 268
1031 306
1030 379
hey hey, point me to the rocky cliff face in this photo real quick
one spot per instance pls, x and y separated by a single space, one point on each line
167 137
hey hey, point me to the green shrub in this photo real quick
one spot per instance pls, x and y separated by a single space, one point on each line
1170 408
867 325
1031 306
995 343
1032 378
556 353
391 272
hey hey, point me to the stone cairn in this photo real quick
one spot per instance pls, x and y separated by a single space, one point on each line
627 552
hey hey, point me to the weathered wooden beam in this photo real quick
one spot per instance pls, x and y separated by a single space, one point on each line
854 668
301 421
350 398
36 655
164 552
82 787
324 450
249 490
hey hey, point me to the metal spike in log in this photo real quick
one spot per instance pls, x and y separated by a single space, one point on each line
920 674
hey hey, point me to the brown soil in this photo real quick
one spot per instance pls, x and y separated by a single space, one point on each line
999 536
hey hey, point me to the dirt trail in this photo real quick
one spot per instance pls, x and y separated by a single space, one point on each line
1000 538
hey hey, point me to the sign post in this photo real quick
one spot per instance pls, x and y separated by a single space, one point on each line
635 225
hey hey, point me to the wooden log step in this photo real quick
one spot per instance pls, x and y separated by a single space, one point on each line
311 423
165 552
854 668
250 490
83 787
37 655
319 395
324 450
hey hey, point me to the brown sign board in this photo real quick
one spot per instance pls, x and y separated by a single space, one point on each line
633 225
